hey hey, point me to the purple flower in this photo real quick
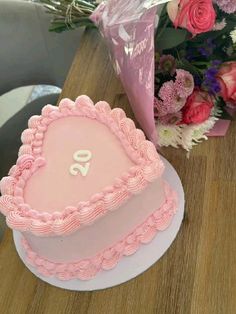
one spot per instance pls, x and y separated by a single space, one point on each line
210 43
204 52
210 81
216 63
211 73
190 54
208 49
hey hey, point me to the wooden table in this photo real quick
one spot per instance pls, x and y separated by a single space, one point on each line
196 275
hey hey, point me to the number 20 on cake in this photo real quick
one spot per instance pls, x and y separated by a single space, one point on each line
86 190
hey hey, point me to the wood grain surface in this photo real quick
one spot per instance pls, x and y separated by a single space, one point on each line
198 273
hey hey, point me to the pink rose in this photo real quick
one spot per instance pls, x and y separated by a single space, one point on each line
227 79
197 16
198 107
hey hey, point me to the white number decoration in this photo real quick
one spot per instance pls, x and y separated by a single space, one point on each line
81 156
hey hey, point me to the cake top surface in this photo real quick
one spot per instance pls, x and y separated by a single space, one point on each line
82 158
77 162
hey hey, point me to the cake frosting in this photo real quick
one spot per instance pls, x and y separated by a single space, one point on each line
86 190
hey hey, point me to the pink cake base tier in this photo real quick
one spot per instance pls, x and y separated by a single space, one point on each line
107 259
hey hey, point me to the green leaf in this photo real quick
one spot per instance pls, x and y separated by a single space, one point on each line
215 34
225 115
186 65
171 38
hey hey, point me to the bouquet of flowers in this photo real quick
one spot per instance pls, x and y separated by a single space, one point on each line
190 84
195 72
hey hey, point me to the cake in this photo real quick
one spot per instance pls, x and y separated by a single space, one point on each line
86 190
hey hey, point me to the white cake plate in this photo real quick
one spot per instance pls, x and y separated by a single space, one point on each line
130 266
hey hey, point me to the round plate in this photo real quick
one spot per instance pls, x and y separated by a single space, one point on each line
130 266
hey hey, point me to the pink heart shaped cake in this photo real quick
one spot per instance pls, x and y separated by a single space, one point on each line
86 190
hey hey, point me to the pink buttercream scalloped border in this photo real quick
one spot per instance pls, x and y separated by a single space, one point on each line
107 259
22 217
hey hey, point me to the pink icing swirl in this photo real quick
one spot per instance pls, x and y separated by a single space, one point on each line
7 185
25 150
7 204
27 136
25 162
118 114
103 107
47 110
107 259
15 171
34 122
84 101
143 153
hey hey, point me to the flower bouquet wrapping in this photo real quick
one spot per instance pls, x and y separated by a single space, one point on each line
129 31
176 60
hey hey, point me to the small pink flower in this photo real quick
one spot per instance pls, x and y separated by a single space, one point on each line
167 63
158 107
161 108
179 103
167 91
171 101
228 6
219 25
184 83
172 118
